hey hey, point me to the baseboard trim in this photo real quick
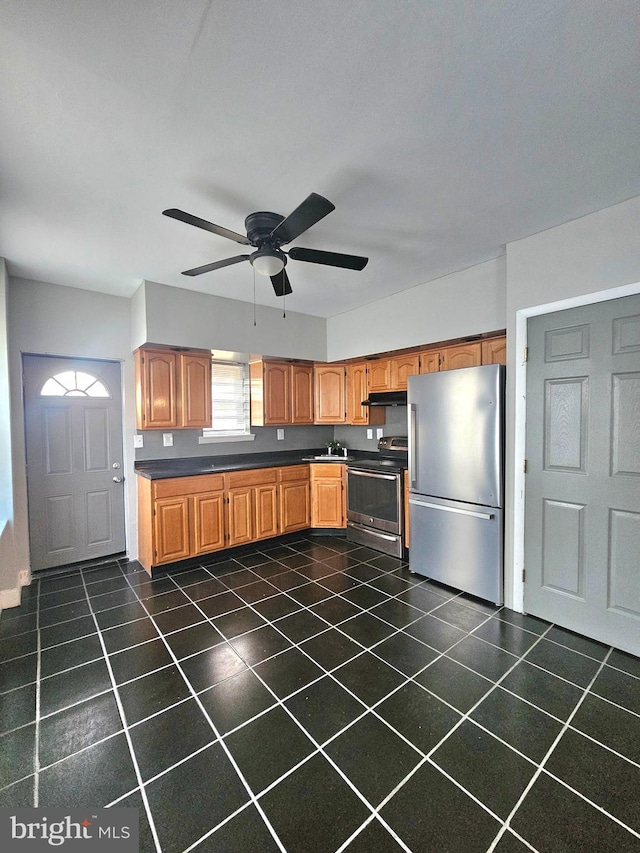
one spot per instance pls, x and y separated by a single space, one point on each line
9 598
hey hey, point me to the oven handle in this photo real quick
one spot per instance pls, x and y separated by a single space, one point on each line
388 536
486 515
357 473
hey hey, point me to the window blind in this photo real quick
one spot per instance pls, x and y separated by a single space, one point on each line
229 399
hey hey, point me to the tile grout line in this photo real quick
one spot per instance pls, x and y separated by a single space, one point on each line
36 757
123 717
230 758
541 766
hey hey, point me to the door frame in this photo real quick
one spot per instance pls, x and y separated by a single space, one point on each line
123 423
517 415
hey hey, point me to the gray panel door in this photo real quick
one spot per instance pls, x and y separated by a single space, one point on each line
582 517
73 425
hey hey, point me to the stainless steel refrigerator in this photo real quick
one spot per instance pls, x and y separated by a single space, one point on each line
456 478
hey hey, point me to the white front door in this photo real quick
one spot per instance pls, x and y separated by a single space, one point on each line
582 515
73 427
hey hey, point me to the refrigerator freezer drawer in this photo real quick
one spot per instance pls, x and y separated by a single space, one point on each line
458 544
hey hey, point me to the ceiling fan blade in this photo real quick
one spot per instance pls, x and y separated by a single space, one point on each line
314 208
331 259
281 284
190 219
216 265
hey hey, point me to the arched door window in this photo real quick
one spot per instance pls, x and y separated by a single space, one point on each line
74 383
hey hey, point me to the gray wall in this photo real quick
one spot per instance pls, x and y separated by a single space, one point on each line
190 319
454 306
53 320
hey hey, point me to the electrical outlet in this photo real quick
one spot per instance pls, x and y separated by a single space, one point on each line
369 433
138 441
167 439
23 577
379 432
280 434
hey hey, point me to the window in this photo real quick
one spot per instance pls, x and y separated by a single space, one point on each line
74 383
229 400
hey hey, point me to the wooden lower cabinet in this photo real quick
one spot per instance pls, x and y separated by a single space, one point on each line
252 505
328 495
294 499
179 518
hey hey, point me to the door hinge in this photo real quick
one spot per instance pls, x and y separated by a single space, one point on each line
154 512
524 573
526 354
524 466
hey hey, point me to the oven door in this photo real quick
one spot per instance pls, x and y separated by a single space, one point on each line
374 499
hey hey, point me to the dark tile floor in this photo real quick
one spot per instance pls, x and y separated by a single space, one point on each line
313 695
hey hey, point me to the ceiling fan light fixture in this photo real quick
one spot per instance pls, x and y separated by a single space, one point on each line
268 262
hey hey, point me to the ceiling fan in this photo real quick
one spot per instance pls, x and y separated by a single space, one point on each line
267 232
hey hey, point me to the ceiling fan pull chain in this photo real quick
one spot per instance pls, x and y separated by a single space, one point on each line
254 297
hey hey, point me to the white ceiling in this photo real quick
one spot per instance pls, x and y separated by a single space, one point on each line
440 129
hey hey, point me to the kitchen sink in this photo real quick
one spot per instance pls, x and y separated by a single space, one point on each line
327 457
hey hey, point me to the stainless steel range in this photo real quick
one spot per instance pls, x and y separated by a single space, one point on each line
375 497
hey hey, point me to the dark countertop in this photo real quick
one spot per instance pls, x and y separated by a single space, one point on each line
162 469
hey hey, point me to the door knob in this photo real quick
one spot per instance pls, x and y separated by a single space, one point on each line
118 479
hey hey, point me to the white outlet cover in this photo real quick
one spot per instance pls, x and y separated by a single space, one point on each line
280 435
167 439
379 432
369 433
138 441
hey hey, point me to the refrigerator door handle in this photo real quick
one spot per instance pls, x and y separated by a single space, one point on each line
486 515
412 444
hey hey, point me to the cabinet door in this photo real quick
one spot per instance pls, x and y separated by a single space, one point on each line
380 375
327 503
403 366
494 351
266 511
240 516
330 394
195 390
295 509
171 529
357 391
430 361
208 522
277 393
463 355
157 389
301 393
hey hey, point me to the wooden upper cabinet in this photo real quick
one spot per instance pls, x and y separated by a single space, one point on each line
462 355
195 390
403 366
277 393
379 375
302 393
173 389
330 394
281 393
494 351
430 361
357 391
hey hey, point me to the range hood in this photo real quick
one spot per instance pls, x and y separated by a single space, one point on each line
387 398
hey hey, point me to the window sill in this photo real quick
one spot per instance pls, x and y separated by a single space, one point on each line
218 439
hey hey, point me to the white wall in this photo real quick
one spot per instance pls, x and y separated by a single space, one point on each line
590 259
186 318
53 320
9 592
454 306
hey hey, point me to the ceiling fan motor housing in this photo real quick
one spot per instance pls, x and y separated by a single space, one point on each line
259 227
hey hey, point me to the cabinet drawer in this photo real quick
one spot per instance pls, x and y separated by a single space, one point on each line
327 471
180 486
251 477
294 472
